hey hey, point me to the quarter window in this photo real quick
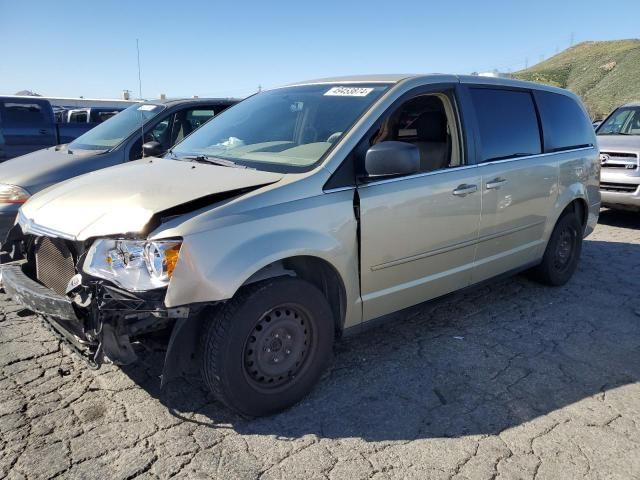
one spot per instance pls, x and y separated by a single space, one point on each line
507 122
564 123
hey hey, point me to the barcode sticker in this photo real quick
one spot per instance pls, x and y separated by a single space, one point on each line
348 92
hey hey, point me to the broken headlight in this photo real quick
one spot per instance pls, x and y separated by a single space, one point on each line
133 264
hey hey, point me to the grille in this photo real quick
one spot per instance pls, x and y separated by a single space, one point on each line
54 264
625 160
618 187
621 154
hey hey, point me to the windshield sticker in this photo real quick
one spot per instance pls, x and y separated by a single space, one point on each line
348 92
147 108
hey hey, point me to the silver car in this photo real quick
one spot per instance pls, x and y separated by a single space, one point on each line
301 214
619 141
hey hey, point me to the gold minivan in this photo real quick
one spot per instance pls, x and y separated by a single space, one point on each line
302 213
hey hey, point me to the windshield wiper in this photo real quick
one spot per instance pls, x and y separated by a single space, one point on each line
213 160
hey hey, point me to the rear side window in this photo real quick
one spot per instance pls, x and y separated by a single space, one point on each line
24 113
564 123
507 122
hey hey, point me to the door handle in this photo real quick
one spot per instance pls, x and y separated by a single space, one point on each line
495 183
43 131
464 190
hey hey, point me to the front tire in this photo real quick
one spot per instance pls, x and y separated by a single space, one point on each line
563 251
266 348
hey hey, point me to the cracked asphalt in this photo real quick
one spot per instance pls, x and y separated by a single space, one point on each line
512 380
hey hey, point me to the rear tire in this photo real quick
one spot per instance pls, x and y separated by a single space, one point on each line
266 348
563 251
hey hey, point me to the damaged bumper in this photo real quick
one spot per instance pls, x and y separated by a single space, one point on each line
56 309
101 324
34 296
100 321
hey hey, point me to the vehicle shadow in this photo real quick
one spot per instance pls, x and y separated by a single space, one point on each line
620 218
475 362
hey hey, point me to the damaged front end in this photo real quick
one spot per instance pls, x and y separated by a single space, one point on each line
98 319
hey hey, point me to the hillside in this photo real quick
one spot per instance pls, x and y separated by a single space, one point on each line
604 74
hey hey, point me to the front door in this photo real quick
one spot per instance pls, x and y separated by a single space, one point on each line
418 232
417 238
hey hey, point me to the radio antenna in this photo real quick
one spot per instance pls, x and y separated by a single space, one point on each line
139 71
140 97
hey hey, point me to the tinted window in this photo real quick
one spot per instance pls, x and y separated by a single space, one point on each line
508 124
564 123
24 113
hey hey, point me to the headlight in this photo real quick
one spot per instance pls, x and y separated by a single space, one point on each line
13 194
133 264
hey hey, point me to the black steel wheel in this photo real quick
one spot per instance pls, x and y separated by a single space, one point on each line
565 248
264 349
563 251
279 346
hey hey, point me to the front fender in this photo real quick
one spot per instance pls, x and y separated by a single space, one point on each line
214 264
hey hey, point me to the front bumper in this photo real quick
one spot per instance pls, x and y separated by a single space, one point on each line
99 320
34 296
619 189
58 311
621 199
105 324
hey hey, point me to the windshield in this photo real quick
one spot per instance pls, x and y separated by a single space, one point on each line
624 121
114 130
284 130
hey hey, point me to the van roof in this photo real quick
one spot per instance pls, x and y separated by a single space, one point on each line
397 78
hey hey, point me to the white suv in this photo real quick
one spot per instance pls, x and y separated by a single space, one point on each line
619 141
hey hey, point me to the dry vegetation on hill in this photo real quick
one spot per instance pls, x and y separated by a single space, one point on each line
604 74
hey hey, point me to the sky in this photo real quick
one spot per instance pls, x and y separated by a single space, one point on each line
228 49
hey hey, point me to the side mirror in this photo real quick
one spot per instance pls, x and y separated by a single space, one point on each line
152 149
392 158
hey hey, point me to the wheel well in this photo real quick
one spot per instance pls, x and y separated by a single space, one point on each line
579 207
316 271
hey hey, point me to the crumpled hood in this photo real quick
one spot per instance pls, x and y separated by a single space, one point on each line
122 199
46 167
630 143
